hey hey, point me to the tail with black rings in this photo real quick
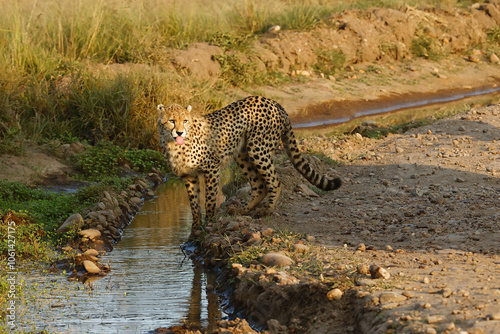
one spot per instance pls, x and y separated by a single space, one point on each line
303 166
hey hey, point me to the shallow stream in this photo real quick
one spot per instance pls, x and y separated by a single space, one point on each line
151 284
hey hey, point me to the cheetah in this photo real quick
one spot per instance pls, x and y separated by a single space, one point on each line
248 130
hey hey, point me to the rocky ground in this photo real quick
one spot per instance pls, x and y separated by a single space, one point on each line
408 244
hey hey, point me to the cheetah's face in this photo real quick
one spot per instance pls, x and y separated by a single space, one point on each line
175 121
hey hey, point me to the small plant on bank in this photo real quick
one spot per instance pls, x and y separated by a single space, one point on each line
106 160
330 62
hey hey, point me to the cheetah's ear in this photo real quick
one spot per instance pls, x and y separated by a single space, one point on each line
189 108
161 107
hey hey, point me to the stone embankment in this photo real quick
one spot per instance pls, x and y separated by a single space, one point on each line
104 224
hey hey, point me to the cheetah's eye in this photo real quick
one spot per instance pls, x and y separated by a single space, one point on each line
171 121
185 121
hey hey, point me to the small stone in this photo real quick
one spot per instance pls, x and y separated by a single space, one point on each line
388 248
301 248
91 252
408 294
310 238
474 59
495 316
71 221
268 232
430 330
136 201
334 294
461 128
434 318
427 305
361 247
67 249
273 259
91 267
494 58
90 233
391 297
379 272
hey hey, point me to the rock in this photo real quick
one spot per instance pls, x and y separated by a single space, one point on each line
273 259
243 193
409 294
67 249
91 252
391 297
91 267
267 232
334 294
434 318
90 233
73 220
361 248
136 201
494 58
495 316
310 238
379 272
301 248
474 59
274 29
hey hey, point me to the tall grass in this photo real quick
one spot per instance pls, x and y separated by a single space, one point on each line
56 59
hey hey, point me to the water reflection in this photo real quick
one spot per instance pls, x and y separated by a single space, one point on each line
152 284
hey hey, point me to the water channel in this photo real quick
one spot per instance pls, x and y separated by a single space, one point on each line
152 284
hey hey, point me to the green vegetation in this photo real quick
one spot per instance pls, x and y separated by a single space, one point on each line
106 159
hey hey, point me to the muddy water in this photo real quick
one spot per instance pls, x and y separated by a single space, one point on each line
331 113
152 284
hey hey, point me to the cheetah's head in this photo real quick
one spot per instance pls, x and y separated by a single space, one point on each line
174 121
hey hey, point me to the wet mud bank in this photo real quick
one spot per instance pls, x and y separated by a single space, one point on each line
276 281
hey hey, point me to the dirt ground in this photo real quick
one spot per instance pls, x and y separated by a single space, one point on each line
426 205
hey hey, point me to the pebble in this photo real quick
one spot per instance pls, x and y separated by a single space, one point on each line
408 294
72 220
379 272
334 294
90 233
91 267
91 252
267 232
301 248
361 247
366 282
495 316
434 318
273 259
391 297
310 238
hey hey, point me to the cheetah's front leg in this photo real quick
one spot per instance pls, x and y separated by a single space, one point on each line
211 193
193 188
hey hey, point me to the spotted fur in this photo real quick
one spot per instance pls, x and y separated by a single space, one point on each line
248 130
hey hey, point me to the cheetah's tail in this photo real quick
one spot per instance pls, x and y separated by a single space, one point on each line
303 166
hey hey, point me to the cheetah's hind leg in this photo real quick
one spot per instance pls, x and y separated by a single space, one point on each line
259 189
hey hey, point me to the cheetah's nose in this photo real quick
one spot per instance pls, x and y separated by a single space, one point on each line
178 133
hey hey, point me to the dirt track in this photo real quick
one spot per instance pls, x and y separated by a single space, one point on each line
432 197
